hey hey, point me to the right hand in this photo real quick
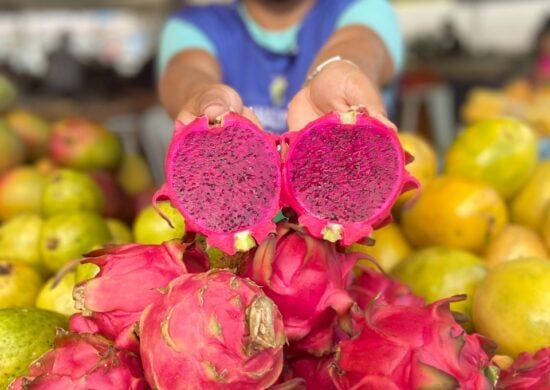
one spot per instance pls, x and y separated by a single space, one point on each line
214 100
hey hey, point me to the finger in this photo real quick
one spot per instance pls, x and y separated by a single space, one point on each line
217 101
301 111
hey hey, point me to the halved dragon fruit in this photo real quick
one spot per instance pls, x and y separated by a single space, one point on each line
342 173
225 179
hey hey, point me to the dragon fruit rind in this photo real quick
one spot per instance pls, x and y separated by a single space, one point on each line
307 279
371 285
83 361
309 371
225 179
212 330
408 347
130 278
342 174
529 372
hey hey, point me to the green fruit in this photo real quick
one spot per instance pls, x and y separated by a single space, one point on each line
20 239
21 192
25 335
58 297
119 231
19 284
67 237
500 152
134 174
68 191
33 130
85 271
512 306
82 144
8 93
151 228
439 272
12 149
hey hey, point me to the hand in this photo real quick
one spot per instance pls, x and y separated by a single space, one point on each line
214 100
338 87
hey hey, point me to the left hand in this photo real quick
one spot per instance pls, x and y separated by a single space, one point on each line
338 87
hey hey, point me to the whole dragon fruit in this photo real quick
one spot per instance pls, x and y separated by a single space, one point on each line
409 347
342 174
130 278
529 372
371 285
212 330
83 361
232 167
307 279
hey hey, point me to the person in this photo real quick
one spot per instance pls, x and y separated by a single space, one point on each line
64 75
280 63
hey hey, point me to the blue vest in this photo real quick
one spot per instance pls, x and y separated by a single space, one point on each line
265 80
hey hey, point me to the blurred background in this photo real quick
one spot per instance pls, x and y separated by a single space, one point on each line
456 50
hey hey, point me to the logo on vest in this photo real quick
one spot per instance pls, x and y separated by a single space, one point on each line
277 90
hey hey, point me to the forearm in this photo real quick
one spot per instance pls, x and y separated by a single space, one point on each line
184 75
363 47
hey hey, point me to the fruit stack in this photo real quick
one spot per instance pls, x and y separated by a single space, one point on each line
65 188
240 302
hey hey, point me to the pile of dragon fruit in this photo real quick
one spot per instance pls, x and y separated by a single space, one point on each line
290 310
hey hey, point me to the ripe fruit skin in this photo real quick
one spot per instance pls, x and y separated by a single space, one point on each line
20 240
455 212
71 191
26 333
390 247
439 272
512 306
307 279
514 242
499 152
82 144
19 284
83 361
212 330
411 347
12 149
423 167
34 131
68 236
58 297
150 228
21 192
532 202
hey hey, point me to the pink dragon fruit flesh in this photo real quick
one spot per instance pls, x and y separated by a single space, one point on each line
83 361
225 179
130 278
412 347
307 279
529 372
213 330
342 174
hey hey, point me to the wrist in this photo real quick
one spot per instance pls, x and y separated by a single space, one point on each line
329 62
